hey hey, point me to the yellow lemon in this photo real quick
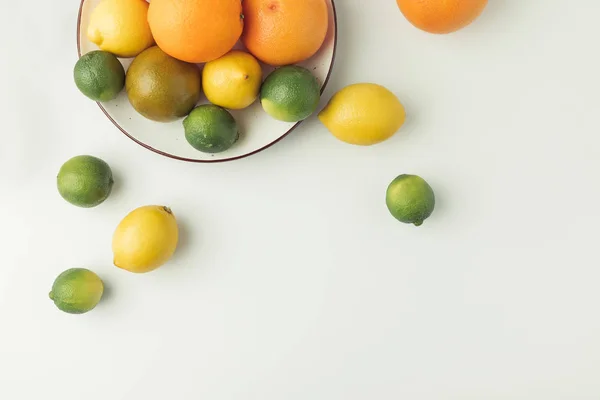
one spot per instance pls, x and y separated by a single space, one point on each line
232 81
145 239
363 114
121 27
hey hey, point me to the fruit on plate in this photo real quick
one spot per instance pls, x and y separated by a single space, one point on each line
363 114
437 16
210 129
283 32
99 75
232 81
121 27
160 87
196 31
77 291
145 239
410 199
290 93
85 181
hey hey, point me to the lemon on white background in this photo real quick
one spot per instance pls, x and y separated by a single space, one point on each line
145 239
232 81
121 27
363 114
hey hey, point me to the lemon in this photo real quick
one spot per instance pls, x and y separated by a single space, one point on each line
232 81
121 27
145 239
363 114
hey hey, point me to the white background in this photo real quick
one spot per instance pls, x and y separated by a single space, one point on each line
292 281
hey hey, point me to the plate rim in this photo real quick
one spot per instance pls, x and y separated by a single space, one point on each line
198 161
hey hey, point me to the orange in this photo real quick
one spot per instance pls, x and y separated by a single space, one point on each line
283 32
196 31
441 16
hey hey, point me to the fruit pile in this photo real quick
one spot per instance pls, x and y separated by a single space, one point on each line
174 60
163 83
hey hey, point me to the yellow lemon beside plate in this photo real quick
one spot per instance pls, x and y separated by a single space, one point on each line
363 114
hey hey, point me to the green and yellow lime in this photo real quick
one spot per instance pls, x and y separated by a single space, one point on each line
290 93
410 199
77 291
210 129
99 75
85 181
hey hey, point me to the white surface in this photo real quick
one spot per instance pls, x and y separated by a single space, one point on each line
292 281
257 128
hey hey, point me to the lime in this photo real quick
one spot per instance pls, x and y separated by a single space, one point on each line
85 181
77 291
410 199
99 75
210 129
162 88
290 93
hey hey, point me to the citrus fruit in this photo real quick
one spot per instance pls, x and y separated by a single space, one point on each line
290 93
436 16
196 31
160 87
210 129
283 32
85 181
77 291
363 114
99 75
121 27
145 239
232 81
410 199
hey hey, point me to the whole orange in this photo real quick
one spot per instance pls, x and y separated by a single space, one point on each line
441 16
196 31
282 32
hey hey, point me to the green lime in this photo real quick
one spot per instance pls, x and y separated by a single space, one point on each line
77 291
99 75
210 129
85 181
290 94
162 88
410 199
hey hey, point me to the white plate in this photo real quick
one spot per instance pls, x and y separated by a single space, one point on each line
258 130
